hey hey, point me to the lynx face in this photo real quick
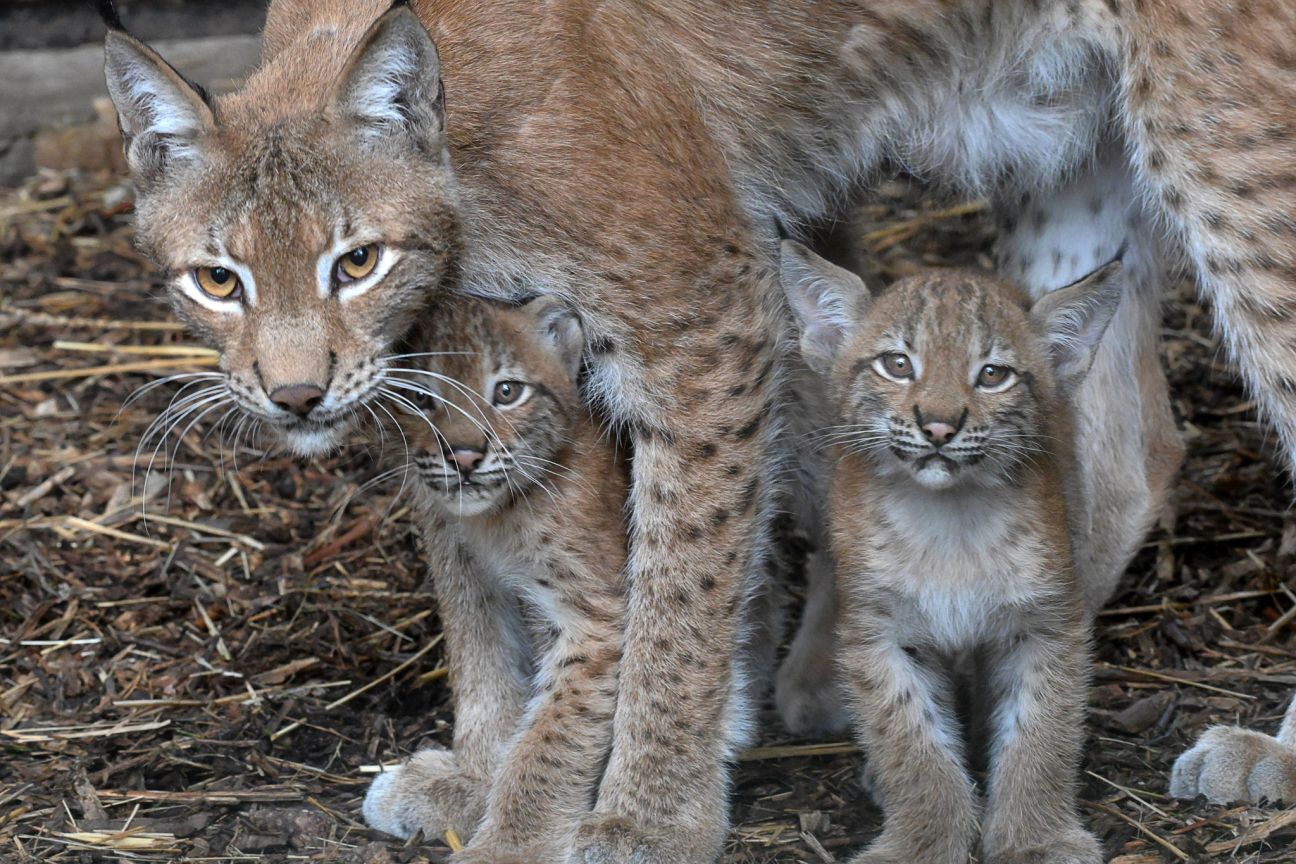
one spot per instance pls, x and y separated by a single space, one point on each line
301 229
950 377
498 399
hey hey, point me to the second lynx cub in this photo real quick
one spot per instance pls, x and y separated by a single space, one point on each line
522 516
950 525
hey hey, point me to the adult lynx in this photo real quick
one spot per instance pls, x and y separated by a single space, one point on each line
633 156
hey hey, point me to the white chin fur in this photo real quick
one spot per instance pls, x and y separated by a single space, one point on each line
935 475
315 442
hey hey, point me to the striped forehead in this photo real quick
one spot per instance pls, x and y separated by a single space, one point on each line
955 314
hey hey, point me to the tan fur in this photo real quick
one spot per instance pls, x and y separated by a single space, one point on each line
950 524
633 156
1229 763
527 551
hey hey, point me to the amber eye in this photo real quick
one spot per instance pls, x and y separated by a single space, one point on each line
897 365
218 282
508 393
357 264
992 376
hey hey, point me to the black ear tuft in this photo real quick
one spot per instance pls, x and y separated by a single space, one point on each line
781 229
108 12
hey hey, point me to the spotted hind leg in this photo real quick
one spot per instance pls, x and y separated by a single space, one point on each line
1127 447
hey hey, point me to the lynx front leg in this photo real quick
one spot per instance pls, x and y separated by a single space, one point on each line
1038 727
547 777
439 789
916 756
1230 763
697 401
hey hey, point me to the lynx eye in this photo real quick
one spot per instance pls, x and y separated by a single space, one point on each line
896 366
218 282
508 393
357 264
992 377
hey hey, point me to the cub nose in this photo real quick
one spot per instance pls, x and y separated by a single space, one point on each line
466 458
938 433
300 399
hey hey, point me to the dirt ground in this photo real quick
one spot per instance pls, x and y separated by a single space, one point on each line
204 650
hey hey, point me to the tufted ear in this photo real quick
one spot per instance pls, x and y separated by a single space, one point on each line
1073 319
560 326
827 301
163 118
392 83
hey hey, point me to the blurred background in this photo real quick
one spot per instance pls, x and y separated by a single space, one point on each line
54 110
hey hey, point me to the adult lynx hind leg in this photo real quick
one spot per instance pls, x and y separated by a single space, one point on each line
1209 105
1127 447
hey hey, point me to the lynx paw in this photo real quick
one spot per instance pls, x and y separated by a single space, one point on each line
604 839
1229 764
1075 846
809 700
428 792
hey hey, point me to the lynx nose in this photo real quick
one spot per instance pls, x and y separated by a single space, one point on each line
938 433
299 399
466 458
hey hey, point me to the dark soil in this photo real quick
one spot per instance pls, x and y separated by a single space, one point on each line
210 682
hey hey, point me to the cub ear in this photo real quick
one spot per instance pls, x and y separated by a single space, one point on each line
1073 319
827 301
392 82
163 118
560 326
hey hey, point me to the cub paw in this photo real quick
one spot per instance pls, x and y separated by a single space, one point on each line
604 839
1075 846
429 793
809 700
1230 764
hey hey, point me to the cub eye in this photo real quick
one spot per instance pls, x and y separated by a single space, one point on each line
508 393
897 365
357 264
218 282
992 376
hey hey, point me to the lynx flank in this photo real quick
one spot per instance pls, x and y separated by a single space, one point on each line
523 519
949 516
634 157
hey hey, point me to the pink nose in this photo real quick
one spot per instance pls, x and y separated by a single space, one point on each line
938 433
467 459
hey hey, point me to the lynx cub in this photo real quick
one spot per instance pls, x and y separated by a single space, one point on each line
950 524
523 509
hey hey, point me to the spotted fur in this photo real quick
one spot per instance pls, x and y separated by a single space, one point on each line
952 486
522 508
634 157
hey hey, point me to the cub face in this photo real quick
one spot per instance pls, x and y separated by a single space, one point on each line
497 399
301 223
948 377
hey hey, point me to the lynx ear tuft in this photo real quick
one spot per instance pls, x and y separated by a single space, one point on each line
163 117
392 83
827 301
561 326
1073 319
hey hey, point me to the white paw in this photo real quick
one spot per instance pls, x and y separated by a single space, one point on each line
380 810
429 792
1229 764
